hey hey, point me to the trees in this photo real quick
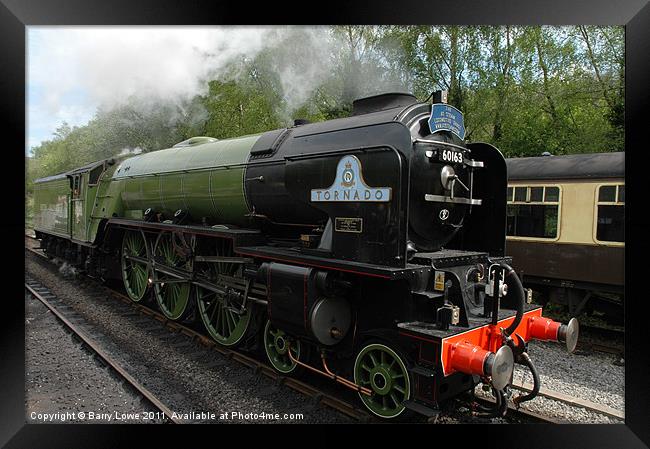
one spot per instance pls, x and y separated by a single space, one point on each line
524 89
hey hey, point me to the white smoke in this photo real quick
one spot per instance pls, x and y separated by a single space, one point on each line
111 64
68 271
105 67
302 61
130 151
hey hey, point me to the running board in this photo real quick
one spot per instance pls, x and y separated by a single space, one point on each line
421 408
422 371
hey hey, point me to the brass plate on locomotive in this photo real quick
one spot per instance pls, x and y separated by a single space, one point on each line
354 225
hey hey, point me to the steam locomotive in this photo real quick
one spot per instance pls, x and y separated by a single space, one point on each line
367 249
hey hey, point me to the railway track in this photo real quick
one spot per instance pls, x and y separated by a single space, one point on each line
571 400
535 417
521 414
327 399
50 301
606 334
315 394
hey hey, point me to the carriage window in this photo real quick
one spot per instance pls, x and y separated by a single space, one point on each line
536 194
520 193
607 194
610 225
534 212
552 194
510 191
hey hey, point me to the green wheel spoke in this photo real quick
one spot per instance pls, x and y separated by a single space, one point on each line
231 321
220 318
217 322
224 322
168 297
227 326
216 309
138 281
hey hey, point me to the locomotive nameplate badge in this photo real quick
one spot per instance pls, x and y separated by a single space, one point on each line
349 186
439 281
348 225
445 117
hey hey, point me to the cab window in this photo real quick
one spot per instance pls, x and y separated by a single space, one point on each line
76 186
95 173
610 217
533 211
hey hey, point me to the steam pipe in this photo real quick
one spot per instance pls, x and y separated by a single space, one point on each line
525 359
343 380
521 296
499 404
504 403
329 374
500 407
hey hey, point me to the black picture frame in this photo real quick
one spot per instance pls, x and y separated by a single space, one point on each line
15 15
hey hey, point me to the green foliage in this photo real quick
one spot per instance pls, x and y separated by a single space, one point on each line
237 109
525 89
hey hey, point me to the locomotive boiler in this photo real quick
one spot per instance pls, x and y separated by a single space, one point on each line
368 249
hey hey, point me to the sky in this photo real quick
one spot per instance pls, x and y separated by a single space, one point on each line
71 71
47 112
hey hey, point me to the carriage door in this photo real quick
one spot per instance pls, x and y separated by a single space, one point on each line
76 210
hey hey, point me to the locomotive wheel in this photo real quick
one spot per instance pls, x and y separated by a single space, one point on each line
135 274
381 369
276 346
173 297
222 316
225 325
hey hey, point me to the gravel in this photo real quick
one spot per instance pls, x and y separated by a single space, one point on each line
566 412
593 376
62 378
192 380
561 412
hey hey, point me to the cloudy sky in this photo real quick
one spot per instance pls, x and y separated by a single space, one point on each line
73 70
